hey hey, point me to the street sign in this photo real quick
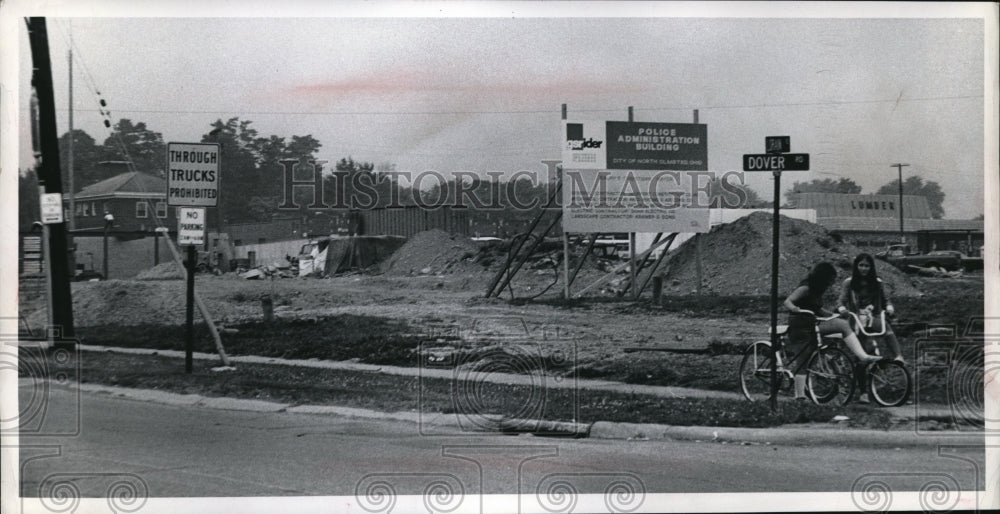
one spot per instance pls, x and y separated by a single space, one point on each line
191 226
52 208
778 144
776 162
193 174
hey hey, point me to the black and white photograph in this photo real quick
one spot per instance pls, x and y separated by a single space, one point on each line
493 257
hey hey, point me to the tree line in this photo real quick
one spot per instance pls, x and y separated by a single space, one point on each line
253 176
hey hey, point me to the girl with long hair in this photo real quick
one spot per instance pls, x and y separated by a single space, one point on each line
809 296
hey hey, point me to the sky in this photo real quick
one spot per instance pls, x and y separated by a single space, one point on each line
484 94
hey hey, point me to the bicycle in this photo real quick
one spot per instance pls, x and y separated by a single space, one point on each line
887 381
829 371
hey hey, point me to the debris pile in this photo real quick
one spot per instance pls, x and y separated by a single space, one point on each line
431 252
163 271
736 259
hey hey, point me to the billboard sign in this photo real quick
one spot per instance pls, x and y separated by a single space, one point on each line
631 201
193 174
584 145
657 146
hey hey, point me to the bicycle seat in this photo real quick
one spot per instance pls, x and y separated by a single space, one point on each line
781 329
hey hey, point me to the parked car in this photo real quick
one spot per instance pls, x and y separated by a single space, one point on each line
901 256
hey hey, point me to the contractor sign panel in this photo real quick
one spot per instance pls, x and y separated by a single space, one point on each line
193 174
634 177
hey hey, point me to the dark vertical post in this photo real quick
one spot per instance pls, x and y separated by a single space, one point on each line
631 245
902 235
775 342
49 174
156 248
657 289
105 267
565 239
697 239
189 326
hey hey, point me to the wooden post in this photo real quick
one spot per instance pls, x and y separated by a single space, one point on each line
657 289
631 240
697 261
565 237
697 242
50 178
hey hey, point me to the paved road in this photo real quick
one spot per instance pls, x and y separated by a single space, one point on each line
197 451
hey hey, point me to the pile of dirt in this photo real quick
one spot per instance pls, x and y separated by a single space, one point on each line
164 271
432 252
736 259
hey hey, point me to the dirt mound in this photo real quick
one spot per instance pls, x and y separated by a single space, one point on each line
432 251
164 271
736 259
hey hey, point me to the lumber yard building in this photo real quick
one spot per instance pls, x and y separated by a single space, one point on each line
871 222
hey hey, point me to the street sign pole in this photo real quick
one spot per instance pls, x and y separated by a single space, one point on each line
776 160
775 341
193 176
189 327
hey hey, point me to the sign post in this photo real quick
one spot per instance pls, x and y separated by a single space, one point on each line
775 161
193 175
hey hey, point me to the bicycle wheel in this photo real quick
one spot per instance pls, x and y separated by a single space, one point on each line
830 376
755 372
889 383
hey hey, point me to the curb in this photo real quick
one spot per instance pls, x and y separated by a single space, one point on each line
778 435
596 430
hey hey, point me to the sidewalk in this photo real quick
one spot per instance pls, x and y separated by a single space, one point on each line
598 430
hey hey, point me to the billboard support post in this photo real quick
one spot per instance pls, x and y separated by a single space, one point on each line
565 236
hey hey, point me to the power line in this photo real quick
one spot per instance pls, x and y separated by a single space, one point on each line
541 111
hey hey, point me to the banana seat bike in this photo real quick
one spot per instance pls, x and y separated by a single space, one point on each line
831 374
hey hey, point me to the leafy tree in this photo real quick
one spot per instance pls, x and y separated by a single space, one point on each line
240 174
86 155
725 198
915 185
144 147
842 186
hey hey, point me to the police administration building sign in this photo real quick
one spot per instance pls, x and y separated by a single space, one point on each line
193 174
634 177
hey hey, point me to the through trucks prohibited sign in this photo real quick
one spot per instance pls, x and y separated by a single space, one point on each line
193 174
191 226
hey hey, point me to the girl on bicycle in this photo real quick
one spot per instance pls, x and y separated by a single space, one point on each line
809 296
864 292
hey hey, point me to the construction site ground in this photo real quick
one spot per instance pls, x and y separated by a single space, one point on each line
427 307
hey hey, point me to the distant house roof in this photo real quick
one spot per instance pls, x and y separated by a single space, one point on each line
131 184
855 224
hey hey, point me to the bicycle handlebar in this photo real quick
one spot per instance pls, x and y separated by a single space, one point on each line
860 326
818 318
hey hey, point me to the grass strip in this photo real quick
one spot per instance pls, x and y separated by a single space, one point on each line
390 393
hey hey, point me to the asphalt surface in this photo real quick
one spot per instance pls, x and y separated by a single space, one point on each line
209 450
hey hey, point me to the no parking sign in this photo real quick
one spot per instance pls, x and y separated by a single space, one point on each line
191 226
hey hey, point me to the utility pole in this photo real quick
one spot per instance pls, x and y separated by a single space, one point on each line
69 164
899 166
49 174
